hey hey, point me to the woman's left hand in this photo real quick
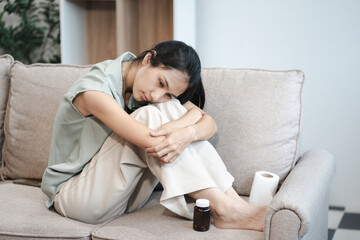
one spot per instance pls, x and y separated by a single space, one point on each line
177 139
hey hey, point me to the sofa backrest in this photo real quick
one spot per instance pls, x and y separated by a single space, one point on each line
258 114
6 62
34 96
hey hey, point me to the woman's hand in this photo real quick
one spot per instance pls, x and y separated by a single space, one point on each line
193 126
177 139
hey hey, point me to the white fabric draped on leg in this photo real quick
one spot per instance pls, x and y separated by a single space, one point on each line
121 177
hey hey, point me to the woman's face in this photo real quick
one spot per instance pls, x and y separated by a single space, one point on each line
157 84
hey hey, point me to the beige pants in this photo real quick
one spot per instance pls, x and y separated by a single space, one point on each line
121 177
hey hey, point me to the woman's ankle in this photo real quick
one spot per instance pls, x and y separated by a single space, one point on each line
244 216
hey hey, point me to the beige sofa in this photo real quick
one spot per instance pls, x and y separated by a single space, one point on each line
258 114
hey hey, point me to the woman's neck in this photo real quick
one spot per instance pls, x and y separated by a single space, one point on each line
128 75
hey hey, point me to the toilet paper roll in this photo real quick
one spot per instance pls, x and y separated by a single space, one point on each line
263 188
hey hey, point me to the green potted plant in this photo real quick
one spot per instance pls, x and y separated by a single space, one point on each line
36 36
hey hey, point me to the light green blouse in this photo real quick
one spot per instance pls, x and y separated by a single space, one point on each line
76 139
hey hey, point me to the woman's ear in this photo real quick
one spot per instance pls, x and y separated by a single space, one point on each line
148 56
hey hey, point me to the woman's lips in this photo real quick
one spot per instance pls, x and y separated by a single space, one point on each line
145 98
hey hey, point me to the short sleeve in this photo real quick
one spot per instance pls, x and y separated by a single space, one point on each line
94 80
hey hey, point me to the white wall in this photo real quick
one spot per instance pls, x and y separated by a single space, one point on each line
320 37
184 21
73 28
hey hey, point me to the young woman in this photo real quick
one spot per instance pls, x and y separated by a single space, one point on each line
104 162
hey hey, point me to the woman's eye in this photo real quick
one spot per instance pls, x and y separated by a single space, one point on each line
161 84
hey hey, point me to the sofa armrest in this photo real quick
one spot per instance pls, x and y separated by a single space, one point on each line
299 210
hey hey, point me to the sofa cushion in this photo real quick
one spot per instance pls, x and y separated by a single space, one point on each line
156 222
34 96
5 64
24 215
258 115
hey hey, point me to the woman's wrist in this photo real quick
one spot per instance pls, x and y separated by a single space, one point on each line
192 133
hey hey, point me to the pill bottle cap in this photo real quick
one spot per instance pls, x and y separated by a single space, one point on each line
202 203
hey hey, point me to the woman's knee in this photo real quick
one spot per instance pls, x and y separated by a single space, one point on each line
149 116
172 109
157 114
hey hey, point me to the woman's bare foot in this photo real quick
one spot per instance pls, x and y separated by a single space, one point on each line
239 216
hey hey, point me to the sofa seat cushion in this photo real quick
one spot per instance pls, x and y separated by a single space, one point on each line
156 222
34 96
258 114
24 215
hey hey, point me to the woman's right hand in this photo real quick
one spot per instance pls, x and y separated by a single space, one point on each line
177 139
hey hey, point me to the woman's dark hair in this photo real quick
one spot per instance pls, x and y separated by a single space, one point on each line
177 55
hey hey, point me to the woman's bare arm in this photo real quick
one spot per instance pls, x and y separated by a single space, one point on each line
107 110
206 127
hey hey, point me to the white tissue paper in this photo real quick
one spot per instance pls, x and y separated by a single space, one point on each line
263 188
